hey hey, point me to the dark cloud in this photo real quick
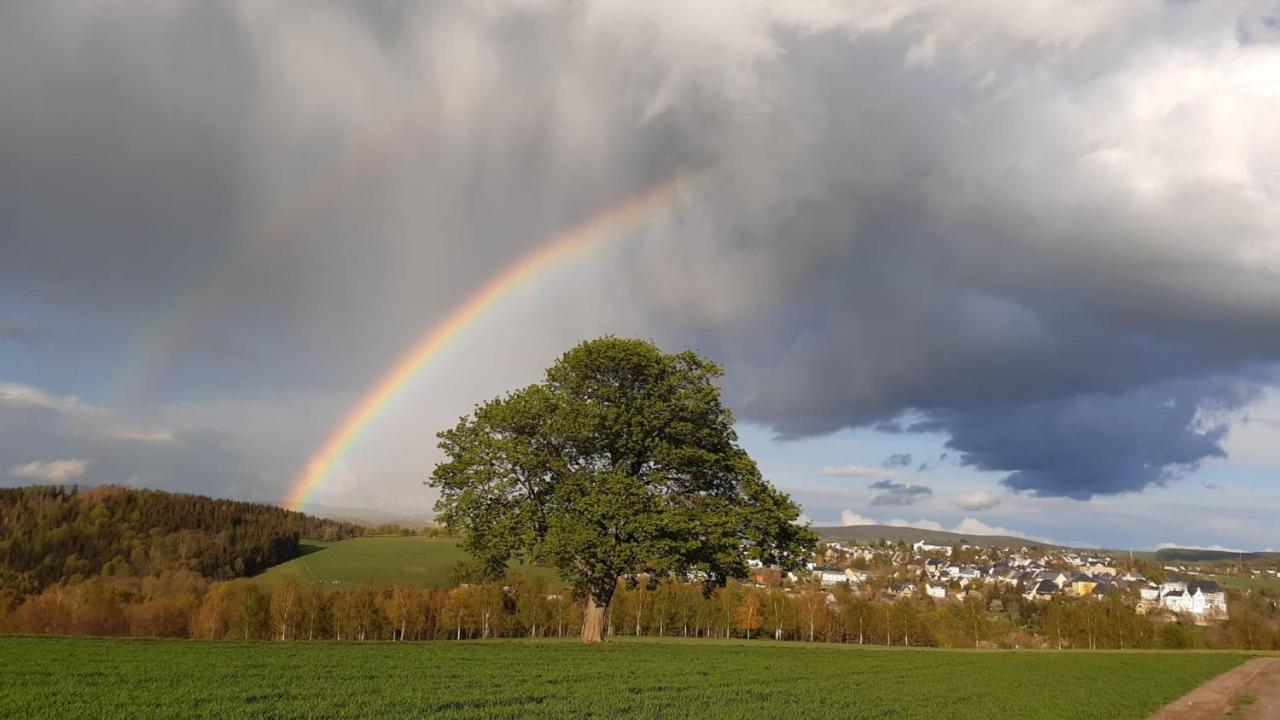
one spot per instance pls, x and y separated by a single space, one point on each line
898 493
1030 235
1096 444
897 460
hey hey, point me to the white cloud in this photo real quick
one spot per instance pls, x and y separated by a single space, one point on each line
28 396
860 471
920 524
52 470
980 500
1185 546
974 526
849 517
967 526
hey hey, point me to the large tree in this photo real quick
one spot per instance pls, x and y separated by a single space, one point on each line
623 462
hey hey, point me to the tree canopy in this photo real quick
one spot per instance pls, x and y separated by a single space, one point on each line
623 462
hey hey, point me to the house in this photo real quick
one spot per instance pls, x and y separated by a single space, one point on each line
829 576
1175 601
937 592
1057 577
855 576
922 547
1100 568
1082 585
1203 598
904 591
1007 576
1042 590
1207 598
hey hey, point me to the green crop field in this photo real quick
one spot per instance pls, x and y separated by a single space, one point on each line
99 678
1248 582
384 560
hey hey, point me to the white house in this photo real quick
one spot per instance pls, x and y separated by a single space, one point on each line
830 576
1198 597
1176 601
936 592
922 547
1099 568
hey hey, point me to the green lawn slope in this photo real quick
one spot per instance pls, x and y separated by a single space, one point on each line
384 560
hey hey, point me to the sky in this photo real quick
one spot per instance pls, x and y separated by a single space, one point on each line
992 266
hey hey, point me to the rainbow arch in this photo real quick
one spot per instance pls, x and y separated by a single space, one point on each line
611 223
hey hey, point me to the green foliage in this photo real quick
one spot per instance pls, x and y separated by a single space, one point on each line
550 679
622 461
58 534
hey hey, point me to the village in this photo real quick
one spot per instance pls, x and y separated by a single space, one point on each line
959 572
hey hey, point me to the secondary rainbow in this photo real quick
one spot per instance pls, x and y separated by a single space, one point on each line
614 222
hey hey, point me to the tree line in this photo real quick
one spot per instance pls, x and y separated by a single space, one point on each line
183 604
56 535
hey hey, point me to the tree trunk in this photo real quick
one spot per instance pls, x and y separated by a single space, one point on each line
593 622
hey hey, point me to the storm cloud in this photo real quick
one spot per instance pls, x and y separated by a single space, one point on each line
1049 232
898 493
897 460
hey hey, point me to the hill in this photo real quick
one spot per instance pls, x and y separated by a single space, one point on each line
54 534
848 533
384 560
368 517
1198 555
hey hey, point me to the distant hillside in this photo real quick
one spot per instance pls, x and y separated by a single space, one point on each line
1197 555
53 534
384 561
368 517
850 533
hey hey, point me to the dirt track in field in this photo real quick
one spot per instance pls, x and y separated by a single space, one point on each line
1249 692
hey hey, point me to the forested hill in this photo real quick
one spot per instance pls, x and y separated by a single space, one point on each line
55 534
1199 555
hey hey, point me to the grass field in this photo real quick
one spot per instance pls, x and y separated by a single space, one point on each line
83 678
384 559
1246 582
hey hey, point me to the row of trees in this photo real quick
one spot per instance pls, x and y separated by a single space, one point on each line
53 535
185 605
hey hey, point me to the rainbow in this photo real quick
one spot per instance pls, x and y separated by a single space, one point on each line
180 324
613 222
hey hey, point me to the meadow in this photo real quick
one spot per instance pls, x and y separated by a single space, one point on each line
383 560
83 678
1247 582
